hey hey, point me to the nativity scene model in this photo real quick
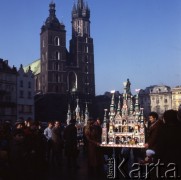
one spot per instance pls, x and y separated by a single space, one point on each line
125 125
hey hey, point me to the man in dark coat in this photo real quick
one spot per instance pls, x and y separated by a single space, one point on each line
70 137
153 131
57 143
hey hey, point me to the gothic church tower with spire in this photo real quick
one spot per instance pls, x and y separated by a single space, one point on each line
61 75
81 67
66 72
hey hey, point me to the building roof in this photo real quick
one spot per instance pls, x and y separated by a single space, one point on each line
35 67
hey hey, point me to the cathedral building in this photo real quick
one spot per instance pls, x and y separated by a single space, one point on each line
61 71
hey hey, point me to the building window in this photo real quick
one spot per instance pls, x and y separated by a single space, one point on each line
57 41
29 95
21 83
29 84
21 108
56 88
21 94
57 55
28 109
165 100
43 43
56 78
56 66
43 57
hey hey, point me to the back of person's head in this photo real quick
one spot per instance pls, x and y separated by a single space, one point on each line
50 123
170 116
153 114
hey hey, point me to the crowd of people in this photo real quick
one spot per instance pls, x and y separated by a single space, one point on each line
22 149
27 149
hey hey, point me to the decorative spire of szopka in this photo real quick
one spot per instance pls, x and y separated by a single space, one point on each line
52 21
119 106
112 108
86 114
104 129
105 118
82 117
137 108
111 119
141 115
127 98
77 112
131 105
68 115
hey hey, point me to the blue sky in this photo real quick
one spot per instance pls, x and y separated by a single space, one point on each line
135 39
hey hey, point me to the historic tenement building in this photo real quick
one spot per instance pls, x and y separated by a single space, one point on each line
25 94
7 92
176 97
65 72
156 98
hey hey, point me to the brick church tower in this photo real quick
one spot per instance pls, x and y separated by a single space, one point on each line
64 75
53 76
81 78
62 71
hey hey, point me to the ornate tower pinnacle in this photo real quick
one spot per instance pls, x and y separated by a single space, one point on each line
112 107
86 114
77 112
119 106
68 115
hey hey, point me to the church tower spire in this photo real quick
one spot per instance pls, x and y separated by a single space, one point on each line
82 51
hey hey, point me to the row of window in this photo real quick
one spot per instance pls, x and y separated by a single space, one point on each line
7 111
56 66
24 108
54 56
22 83
165 101
56 41
7 87
8 77
22 94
